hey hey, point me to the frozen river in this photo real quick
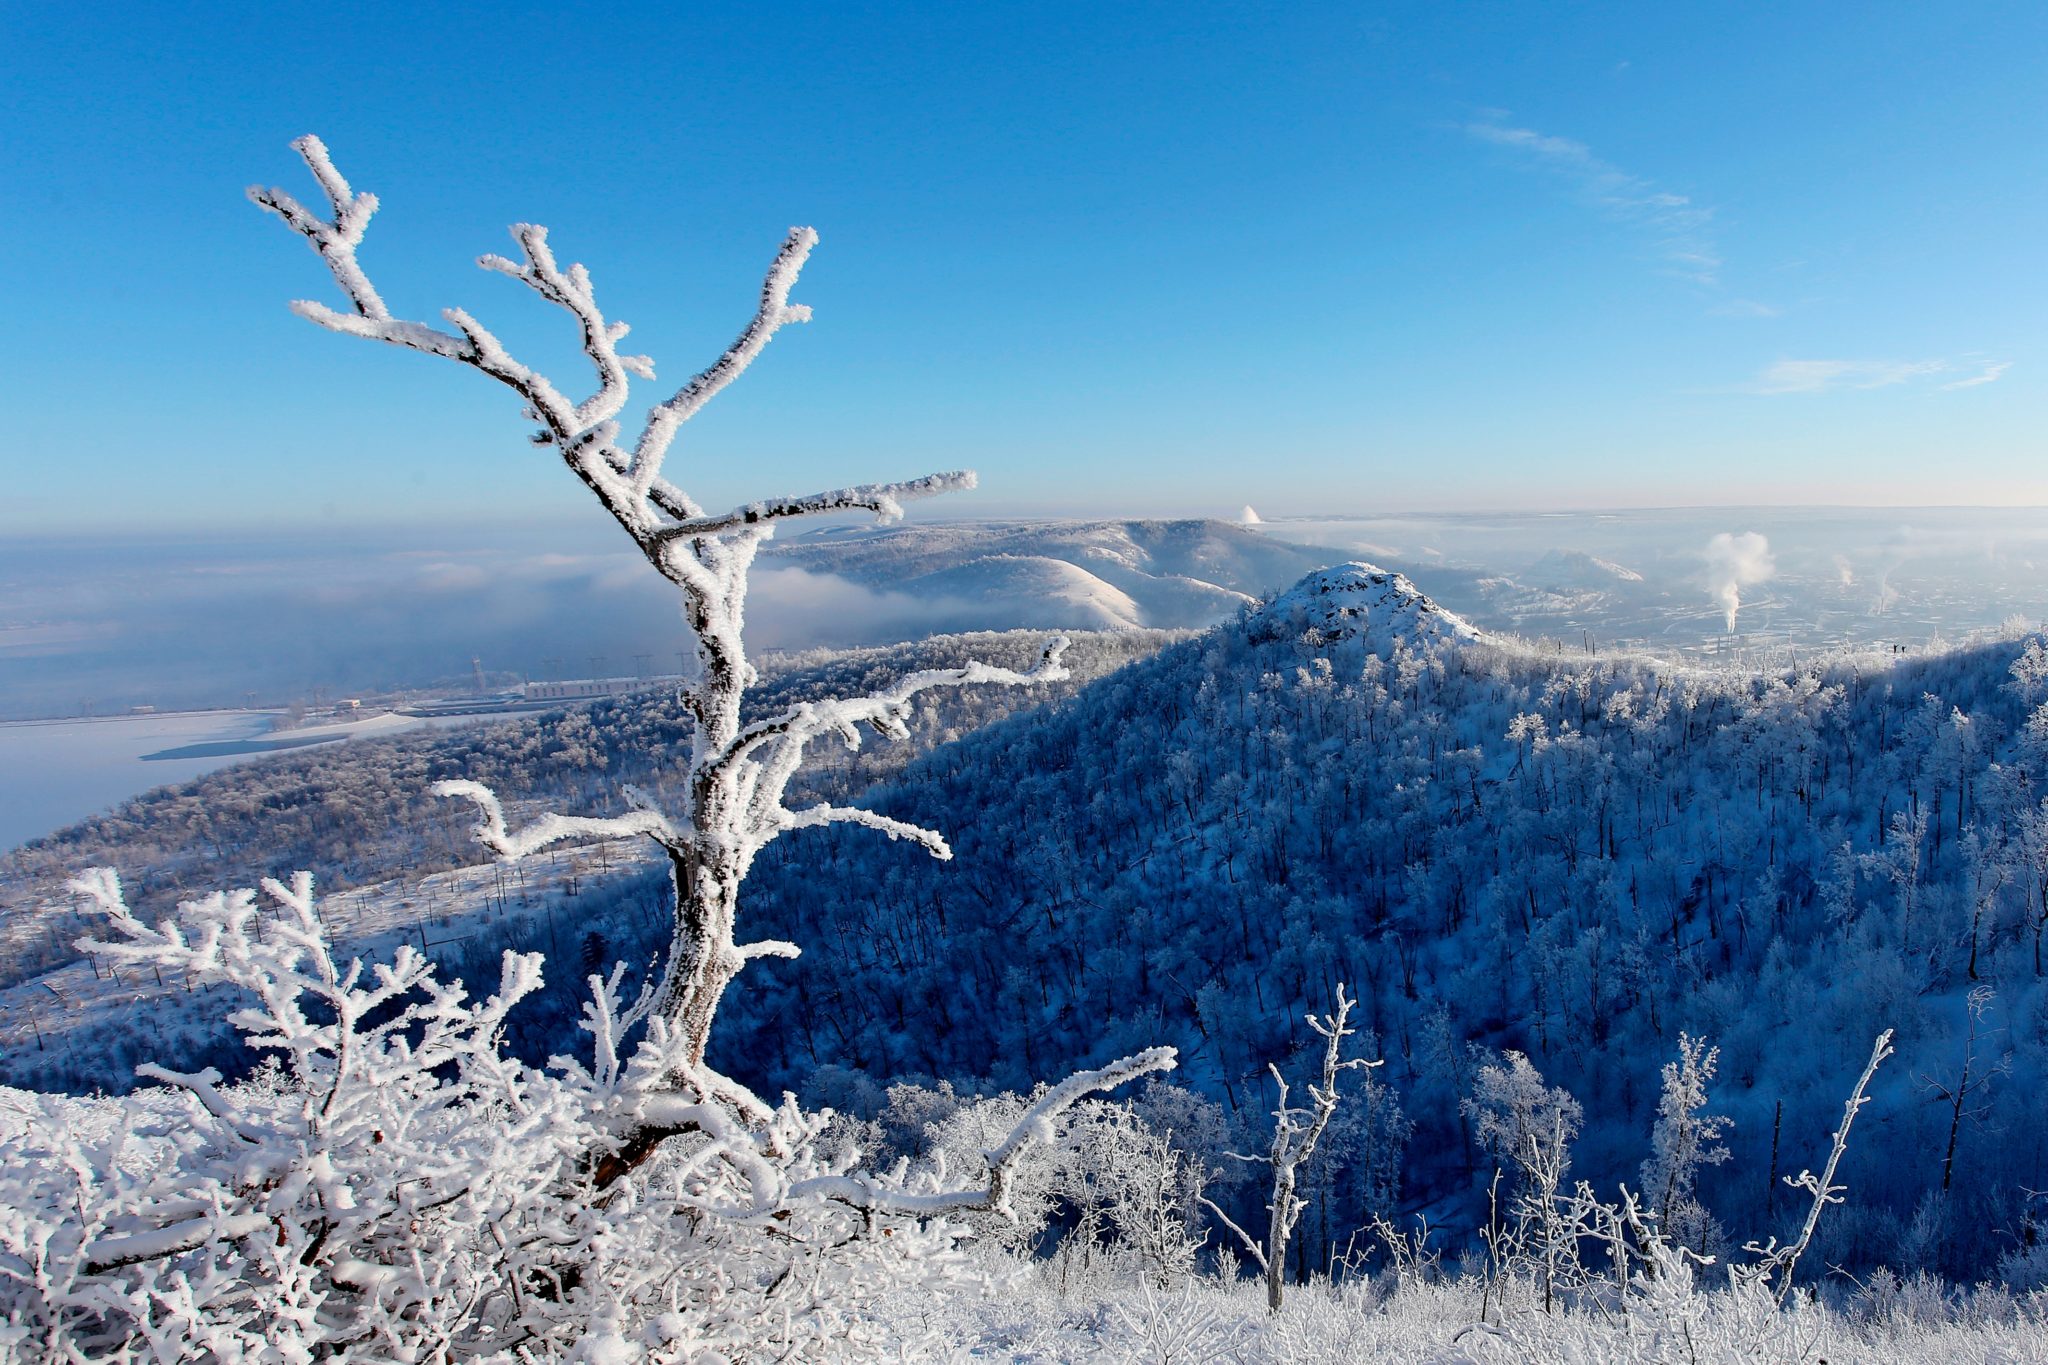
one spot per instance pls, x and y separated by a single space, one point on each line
54 772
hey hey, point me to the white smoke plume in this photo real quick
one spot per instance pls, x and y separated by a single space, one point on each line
1846 572
1735 562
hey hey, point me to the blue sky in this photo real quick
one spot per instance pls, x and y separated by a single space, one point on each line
1135 259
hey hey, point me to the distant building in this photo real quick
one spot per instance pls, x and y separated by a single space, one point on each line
576 689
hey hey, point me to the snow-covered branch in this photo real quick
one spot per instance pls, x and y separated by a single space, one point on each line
774 311
885 500
1773 1259
1036 1125
888 712
493 834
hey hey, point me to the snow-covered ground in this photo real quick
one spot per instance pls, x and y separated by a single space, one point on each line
1457 1320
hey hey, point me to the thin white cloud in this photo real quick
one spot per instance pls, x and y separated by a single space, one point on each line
1829 376
1988 375
1822 376
1679 226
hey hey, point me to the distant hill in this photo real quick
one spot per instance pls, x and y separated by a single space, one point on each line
1102 574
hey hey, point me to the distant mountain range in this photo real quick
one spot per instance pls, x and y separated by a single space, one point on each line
1087 575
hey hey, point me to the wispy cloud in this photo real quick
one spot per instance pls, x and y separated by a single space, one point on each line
1988 375
1679 226
1826 376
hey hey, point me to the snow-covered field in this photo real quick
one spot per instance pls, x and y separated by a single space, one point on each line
1455 1320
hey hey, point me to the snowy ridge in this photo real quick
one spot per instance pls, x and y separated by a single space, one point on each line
1364 602
1046 592
1089 575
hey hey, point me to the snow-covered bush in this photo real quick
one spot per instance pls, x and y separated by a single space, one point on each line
399 1187
1116 1183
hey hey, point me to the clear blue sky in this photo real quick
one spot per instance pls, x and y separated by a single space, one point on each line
1120 258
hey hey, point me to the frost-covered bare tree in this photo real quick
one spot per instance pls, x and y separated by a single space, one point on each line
400 1188
738 771
1295 1135
1960 1092
1783 1261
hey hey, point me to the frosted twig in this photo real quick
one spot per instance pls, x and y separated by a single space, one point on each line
1772 1257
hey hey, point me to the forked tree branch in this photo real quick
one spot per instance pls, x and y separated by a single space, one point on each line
737 774
629 483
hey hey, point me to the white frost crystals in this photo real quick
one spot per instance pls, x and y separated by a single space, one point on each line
401 1188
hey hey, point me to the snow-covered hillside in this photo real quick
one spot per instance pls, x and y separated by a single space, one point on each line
1063 573
1501 848
362 814
1505 851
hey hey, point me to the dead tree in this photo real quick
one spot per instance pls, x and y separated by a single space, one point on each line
1295 1134
1782 1261
737 772
1960 1094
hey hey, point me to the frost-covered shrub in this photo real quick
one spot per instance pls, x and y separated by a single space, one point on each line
399 1187
1117 1182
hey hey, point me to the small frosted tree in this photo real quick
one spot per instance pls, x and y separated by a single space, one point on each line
1684 1139
738 770
1961 1091
1529 1126
1518 1120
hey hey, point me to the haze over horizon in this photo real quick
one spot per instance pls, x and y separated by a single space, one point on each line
91 626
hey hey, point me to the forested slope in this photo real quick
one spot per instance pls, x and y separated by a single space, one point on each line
1498 848
1571 857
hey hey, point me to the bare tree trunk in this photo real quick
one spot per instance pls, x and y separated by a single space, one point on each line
1279 1228
702 961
